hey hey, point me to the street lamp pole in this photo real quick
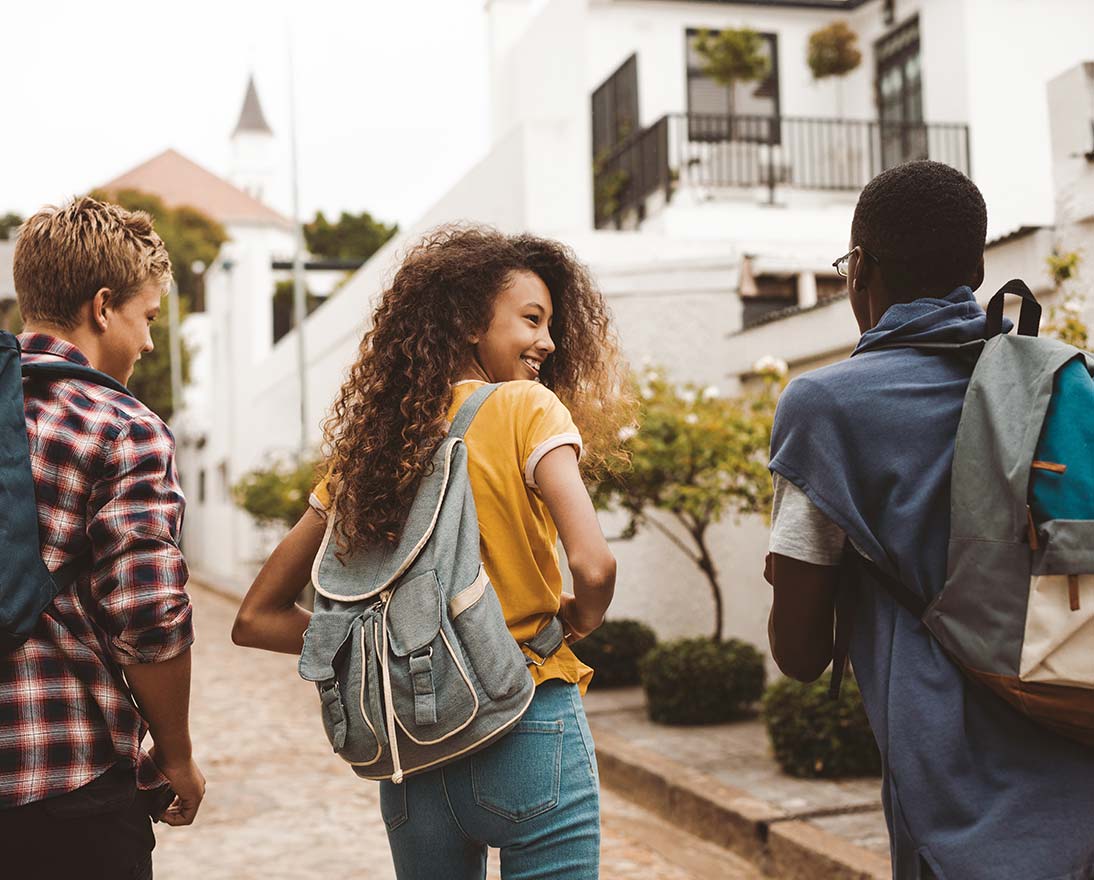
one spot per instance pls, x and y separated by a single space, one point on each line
298 291
175 348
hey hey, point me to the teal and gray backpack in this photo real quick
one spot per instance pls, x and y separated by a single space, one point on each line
407 644
1017 609
26 586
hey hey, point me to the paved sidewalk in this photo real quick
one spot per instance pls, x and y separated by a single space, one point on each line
841 820
279 806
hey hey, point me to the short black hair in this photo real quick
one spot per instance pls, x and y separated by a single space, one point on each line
926 223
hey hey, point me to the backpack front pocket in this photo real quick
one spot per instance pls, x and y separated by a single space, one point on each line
431 688
480 624
350 701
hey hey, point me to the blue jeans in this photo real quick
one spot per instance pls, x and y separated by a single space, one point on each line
534 794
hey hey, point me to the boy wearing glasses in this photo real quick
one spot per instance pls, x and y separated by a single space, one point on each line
861 452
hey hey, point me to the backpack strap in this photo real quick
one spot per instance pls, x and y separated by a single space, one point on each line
545 643
51 371
548 640
852 564
469 409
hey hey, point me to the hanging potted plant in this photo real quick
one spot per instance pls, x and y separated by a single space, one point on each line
833 52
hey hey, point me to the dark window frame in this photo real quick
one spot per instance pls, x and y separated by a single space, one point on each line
905 138
700 132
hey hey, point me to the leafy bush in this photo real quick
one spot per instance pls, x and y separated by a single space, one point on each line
614 651
277 493
700 681
815 736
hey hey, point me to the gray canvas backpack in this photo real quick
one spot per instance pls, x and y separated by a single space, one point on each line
408 645
1016 613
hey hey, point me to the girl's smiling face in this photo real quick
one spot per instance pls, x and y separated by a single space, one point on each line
518 340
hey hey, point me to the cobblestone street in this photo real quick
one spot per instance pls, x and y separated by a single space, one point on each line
280 806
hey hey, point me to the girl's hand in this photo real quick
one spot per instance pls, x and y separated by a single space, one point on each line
575 625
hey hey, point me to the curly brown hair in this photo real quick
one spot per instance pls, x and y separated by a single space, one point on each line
392 409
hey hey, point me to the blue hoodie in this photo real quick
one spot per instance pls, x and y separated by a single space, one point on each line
971 786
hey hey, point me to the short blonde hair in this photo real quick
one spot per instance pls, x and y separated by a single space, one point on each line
64 256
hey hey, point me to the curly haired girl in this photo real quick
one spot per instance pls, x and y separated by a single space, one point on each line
470 306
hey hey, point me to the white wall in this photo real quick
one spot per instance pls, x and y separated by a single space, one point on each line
1014 48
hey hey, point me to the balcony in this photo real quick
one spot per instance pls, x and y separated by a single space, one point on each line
723 153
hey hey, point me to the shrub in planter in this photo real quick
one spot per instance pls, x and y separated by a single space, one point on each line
614 651
815 736
700 681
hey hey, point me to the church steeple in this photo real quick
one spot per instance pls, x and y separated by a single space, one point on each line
254 163
251 117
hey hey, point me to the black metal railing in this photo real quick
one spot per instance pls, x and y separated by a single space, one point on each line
713 151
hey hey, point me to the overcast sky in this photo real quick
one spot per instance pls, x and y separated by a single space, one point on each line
392 95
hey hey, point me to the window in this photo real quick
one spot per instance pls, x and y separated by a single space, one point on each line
709 104
900 96
615 108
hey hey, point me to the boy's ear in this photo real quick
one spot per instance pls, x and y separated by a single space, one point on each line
102 301
978 278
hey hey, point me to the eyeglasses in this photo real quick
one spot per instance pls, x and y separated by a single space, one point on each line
842 263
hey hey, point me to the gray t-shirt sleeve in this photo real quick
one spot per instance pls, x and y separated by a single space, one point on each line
798 528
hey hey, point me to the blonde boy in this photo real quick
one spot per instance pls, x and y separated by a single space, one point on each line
110 658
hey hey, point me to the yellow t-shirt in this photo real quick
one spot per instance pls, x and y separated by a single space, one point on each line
520 423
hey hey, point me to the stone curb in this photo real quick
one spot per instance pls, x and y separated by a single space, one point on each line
772 839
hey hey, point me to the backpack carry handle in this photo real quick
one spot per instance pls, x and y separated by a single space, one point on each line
1029 319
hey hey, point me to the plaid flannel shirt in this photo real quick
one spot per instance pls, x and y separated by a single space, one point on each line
107 489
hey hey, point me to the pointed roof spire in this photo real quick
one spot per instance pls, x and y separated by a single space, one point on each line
251 117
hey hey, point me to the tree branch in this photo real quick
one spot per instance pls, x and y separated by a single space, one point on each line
681 546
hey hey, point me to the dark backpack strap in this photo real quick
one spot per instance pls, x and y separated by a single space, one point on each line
545 643
51 371
852 564
470 409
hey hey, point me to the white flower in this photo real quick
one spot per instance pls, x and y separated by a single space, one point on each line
652 375
293 494
646 392
711 392
1073 307
687 395
626 432
769 365
691 419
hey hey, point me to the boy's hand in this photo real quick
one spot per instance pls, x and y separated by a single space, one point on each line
188 783
575 625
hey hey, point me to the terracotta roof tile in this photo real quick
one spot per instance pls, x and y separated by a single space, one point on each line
180 181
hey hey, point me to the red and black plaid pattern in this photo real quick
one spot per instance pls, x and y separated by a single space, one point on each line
106 489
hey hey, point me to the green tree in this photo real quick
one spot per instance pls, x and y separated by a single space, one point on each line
10 319
190 237
1065 318
277 494
284 316
732 56
351 237
694 457
9 222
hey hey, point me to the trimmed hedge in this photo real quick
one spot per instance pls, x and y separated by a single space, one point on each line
699 681
614 650
815 736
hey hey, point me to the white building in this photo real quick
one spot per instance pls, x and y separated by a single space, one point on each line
688 208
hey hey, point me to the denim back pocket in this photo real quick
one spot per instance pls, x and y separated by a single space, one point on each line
519 777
